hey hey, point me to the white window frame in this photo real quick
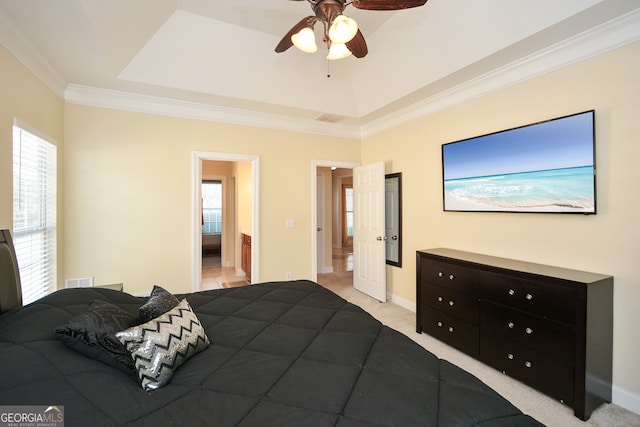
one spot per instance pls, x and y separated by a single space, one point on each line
35 210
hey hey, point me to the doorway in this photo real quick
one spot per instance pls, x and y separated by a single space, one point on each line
338 257
219 217
238 174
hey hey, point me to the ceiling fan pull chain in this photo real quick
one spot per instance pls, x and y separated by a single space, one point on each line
328 68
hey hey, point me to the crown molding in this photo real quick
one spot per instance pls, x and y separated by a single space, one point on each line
600 39
126 101
16 45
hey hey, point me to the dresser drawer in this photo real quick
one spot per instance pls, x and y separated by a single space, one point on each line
550 375
449 275
553 338
537 297
450 301
449 329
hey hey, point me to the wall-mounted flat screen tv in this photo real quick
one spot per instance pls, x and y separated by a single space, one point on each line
545 167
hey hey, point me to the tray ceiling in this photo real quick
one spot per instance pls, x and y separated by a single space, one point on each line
219 55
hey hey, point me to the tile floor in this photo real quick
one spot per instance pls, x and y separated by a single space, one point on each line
342 259
214 276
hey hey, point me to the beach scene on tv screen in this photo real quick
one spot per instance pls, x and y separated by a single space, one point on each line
545 167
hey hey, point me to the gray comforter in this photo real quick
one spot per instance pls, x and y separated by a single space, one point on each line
281 354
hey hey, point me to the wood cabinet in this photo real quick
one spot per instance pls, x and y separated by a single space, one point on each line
549 327
246 255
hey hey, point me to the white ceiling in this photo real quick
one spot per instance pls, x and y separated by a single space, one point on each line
215 59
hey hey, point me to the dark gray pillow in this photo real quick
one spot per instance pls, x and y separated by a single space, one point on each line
92 334
159 302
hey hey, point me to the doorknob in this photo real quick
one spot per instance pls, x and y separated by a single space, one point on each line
319 228
394 237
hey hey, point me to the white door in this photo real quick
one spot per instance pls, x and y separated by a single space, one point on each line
369 267
320 223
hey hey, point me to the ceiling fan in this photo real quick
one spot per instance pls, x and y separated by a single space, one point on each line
340 33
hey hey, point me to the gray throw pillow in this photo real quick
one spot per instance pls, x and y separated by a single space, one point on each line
92 334
159 302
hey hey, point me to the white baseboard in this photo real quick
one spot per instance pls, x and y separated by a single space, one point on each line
402 302
326 270
626 399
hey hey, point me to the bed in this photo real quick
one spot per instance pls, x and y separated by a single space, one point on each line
277 354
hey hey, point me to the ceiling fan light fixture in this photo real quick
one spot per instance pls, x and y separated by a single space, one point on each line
305 40
338 51
343 29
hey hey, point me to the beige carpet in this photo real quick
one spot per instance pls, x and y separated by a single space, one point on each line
528 400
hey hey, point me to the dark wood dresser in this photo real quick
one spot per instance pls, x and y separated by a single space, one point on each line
550 327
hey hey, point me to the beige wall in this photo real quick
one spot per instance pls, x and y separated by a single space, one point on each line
608 242
128 194
26 98
245 197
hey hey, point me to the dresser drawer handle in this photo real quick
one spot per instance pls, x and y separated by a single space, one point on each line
451 277
440 324
511 325
450 328
439 299
451 303
529 331
512 292
440 274
529 297
510 356
528 364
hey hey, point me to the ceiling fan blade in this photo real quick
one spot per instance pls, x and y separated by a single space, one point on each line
387 4
358 46
286 42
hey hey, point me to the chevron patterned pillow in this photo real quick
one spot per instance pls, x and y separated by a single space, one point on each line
161 345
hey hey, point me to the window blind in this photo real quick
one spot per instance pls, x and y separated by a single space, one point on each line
211 207
34 212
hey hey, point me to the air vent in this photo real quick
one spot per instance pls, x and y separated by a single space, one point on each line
329 118
82 282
